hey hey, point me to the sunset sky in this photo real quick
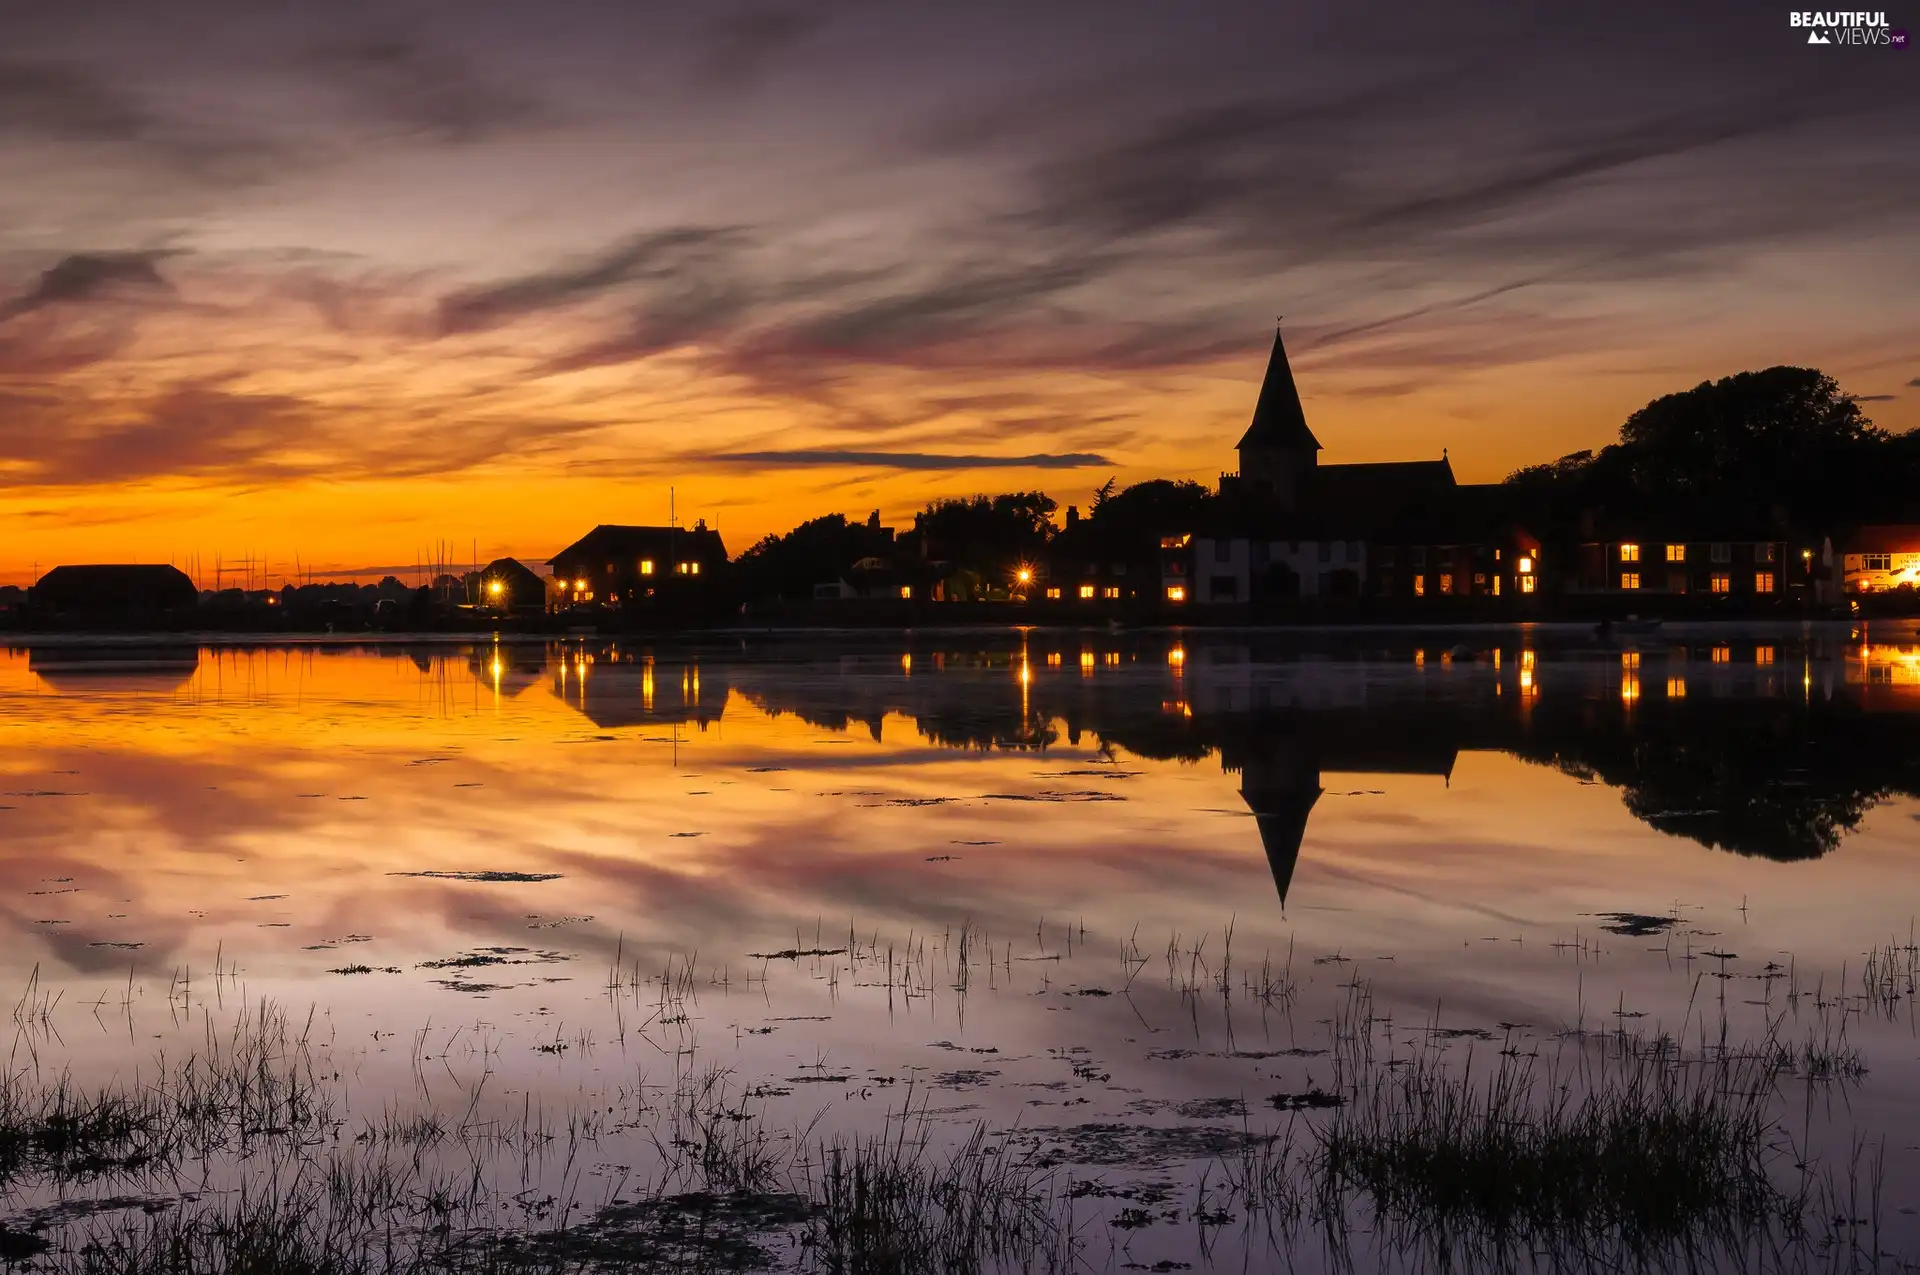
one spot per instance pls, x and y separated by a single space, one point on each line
340 280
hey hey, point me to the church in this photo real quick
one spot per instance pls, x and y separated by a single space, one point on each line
1290 527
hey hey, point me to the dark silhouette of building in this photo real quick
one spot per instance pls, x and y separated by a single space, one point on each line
115 592
1278 453
507 584
612 565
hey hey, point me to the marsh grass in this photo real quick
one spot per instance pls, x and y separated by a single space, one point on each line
253 1084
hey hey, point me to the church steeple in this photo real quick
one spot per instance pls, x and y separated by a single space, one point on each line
1278 452
1278 419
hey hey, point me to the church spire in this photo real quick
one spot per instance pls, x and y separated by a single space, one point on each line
1279 422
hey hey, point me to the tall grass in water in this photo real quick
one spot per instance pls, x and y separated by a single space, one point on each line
254 1084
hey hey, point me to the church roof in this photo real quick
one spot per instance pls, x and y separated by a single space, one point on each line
1278 420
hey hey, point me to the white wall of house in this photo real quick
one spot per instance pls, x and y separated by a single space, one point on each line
1223 571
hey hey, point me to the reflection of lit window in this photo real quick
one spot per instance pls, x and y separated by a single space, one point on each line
1113 658
1676 553
1086 661
1419 586
646 566
1630 688
1629 579
1446 582
1629 553
1527 583
1086 590
1053 658
1177 656
1722 582
1763 655
1676 688
1763 582
1629 660
1176 593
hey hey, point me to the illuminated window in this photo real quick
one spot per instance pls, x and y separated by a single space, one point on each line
1446 582
694 567
1086 590
1419 586
1763 655
1763 582
1722 654
1629 553
906 590
1527 583
1176 593
1053 657
1676 553
1629 579
1722 582
1496 591
1111 591
1525 565
646 566
1086 660
1676 688
1054 592
1629 660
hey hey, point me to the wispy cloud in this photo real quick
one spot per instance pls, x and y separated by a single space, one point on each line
807 458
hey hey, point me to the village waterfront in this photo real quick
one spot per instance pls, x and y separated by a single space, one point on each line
1520 947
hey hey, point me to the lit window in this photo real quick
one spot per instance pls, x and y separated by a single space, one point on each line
1763 582
1629 553
1086 590
1176 593
1086 660
1722 582
694 567
1527 583
1763 655
1054 592
1496 593
1676 553
1676 688
1629 660
1629 579
646 566
1446 582
906 590
1111 591
1419 586
1722 654
1526 565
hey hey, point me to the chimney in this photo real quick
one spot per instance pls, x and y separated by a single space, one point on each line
1073 516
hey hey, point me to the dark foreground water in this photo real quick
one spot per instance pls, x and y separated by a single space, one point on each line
1146 907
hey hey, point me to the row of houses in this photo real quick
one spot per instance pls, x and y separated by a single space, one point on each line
1286 527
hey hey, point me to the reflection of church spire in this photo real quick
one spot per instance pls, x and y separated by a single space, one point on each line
1280 782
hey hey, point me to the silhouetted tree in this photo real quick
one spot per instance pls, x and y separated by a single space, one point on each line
815 552
1786 440
987 534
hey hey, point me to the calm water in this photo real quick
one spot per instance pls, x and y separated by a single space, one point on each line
1131 836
